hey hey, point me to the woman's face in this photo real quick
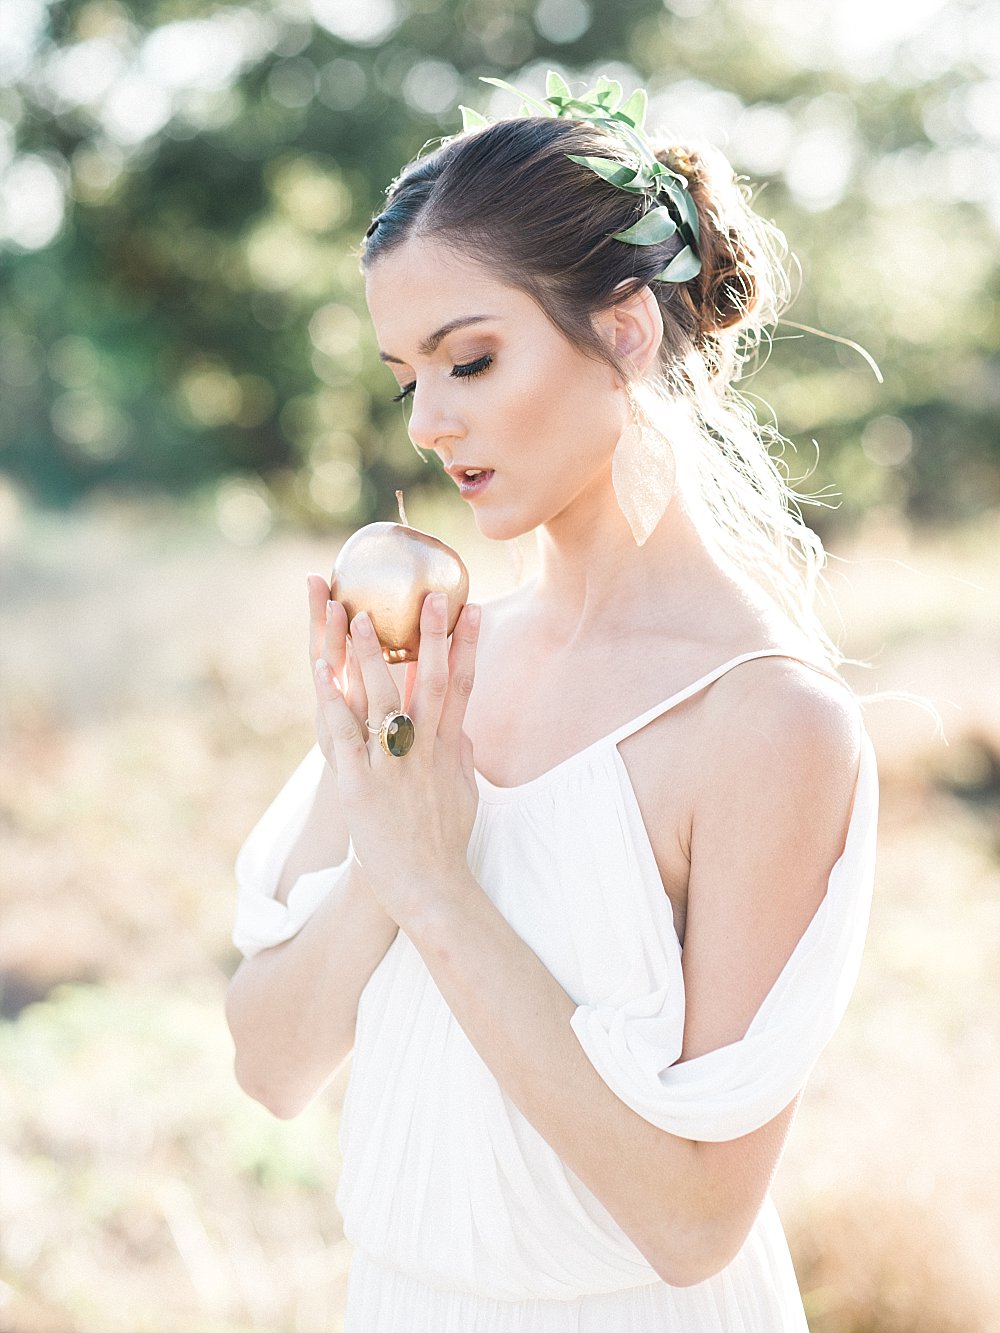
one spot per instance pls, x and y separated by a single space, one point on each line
495 388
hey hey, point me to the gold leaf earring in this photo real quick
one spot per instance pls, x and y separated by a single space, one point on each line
643 473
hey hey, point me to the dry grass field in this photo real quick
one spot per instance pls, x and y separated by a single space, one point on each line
154 692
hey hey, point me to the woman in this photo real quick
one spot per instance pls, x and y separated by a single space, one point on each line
588 936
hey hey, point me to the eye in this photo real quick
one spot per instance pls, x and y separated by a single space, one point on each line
476 367
464 371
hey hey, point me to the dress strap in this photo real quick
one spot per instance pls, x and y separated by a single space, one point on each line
710 678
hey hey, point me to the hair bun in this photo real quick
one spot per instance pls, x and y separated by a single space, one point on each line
727 291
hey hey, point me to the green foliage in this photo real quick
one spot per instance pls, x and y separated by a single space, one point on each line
600 106
189 182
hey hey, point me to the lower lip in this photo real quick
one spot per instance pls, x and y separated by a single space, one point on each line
468 488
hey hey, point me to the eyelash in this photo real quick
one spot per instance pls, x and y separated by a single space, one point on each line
477 367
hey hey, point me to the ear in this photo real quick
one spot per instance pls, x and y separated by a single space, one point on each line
635 328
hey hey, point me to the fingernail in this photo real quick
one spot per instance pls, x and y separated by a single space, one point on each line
473 614
329 610
322 668
439 603
363 625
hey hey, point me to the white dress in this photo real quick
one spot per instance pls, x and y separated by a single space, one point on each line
462 1218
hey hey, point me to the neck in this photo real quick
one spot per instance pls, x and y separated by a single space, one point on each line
594 582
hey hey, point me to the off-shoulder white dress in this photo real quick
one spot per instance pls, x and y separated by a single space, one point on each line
462 1218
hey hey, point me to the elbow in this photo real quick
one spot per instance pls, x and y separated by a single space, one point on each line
686 1270
683 1272
281 1101
256 1074
694 1252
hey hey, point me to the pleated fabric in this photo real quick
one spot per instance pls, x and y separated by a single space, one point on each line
461 1215
756 1293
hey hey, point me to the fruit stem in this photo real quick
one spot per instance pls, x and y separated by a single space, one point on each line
402 511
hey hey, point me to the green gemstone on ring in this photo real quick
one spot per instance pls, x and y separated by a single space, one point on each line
397 735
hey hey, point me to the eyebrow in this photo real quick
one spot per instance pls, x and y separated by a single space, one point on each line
431 344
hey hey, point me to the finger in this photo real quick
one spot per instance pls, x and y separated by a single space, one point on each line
332 651
334 647
319 595
408 681
379 686
343 728
357 700
430 682
461 674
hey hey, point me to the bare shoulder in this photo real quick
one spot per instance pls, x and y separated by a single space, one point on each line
779 721
773 800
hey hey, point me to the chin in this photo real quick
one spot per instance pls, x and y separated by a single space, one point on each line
502 527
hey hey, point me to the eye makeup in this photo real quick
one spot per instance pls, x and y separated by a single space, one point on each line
476 367
464 371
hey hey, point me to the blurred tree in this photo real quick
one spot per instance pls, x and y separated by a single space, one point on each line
183 186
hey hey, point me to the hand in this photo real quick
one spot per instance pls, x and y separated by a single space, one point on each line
410 818
328 639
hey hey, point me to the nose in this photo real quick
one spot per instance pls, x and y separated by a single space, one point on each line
432 425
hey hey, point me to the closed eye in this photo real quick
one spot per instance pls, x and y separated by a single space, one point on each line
476 367
465 371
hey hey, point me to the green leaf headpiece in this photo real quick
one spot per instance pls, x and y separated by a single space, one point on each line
671 207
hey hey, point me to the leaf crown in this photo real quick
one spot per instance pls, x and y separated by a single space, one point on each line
672 209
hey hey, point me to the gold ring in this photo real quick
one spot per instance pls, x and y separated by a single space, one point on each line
395 734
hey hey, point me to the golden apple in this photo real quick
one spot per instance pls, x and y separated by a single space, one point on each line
387 569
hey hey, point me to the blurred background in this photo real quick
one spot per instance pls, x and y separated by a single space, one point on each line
192 416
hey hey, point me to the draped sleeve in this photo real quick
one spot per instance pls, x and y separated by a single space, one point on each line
734 1090
261 920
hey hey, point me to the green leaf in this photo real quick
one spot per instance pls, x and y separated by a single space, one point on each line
587 110
669 179
616 173
688 211
644 178
557 87
655 226
682 267
608 92
472 120
634 110
526 99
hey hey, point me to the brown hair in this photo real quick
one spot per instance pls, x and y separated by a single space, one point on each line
508 197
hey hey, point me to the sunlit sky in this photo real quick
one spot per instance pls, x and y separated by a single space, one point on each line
132 86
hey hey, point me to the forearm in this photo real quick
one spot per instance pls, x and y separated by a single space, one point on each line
518 1017
323 839
292 1009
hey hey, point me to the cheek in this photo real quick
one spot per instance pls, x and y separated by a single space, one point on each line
548 400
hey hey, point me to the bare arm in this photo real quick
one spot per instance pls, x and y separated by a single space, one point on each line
292 1009
674 1198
